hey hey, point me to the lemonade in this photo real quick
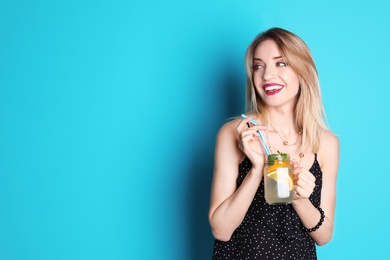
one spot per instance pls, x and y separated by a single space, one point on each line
278 179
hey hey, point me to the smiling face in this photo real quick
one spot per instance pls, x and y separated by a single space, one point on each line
275 81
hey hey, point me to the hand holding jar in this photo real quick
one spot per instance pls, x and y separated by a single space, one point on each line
304 181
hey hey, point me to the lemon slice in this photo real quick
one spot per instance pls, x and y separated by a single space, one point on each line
282 179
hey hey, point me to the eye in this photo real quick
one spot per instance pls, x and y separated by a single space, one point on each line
281 64
258 67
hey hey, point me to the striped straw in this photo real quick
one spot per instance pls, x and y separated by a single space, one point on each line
266 149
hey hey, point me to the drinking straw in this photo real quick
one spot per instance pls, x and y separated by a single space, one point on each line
260 134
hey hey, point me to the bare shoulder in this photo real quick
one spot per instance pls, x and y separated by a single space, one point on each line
227 144
229 130
329 150
329 142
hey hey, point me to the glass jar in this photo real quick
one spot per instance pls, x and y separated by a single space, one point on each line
278 179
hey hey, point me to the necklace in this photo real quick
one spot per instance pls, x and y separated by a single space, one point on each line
285 143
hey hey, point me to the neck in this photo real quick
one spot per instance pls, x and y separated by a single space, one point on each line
283 122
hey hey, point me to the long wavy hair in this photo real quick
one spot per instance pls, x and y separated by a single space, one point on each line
309 112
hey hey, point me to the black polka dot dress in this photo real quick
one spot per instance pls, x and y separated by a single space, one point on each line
270 231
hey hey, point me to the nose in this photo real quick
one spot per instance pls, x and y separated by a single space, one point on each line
269 73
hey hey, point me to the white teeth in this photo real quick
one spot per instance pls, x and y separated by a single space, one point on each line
272 88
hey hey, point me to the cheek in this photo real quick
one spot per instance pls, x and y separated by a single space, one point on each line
258 89
257 79
291 78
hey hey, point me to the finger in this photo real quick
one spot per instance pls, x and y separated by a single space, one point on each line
307 176
302 193
294 164
304 180
258 127
242 125
249 136
302 184
300 179
297 170
296 195
307 187
304 175
249 123
250 142
253 130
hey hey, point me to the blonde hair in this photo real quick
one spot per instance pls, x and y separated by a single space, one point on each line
309 112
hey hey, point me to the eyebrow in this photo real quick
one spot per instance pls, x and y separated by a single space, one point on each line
274 58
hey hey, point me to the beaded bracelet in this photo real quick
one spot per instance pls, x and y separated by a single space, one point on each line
318 224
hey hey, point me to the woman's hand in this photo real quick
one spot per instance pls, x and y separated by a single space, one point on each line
304 182
250 143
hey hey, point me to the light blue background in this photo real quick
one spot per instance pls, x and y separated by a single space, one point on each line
109 111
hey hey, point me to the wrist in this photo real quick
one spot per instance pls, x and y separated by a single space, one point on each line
319 224
300 202
257 172
258 169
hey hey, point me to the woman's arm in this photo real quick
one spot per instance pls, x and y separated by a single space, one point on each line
328 157
228 204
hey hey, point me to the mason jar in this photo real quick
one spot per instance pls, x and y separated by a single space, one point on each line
278 179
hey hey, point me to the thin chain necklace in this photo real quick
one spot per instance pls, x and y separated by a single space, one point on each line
285 143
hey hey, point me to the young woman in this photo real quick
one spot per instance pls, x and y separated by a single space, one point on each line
283 95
